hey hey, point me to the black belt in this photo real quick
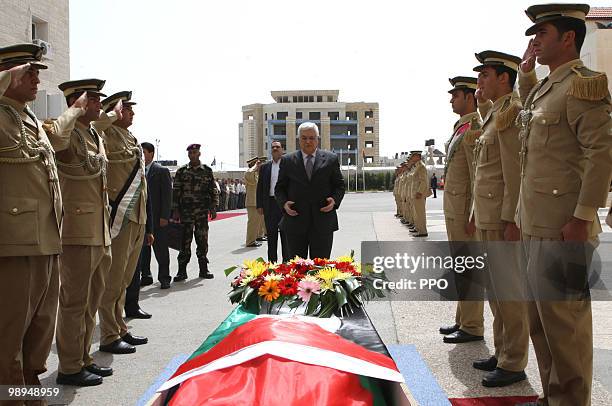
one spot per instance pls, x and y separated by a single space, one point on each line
272 197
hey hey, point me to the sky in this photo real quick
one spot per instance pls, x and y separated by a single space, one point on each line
192 65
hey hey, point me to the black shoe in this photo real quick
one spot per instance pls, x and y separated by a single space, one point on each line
487 364
146 281
500 377
206 275
97 370
254 244
461 336
118 347
403 221
446 330
134 340
421 235
165 285
82 378
138 314
262 239
180 277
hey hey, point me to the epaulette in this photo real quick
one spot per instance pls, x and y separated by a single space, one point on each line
507 114
588 84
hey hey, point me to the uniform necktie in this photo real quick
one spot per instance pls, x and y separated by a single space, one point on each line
309 166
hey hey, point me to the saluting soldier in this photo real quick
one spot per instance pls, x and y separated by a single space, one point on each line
127 192
194 197
419 192
496 189
86 256
30 218
253 218
458 181
566 167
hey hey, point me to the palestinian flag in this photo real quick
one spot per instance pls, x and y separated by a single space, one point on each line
277 360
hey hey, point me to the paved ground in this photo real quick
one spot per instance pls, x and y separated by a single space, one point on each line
184 315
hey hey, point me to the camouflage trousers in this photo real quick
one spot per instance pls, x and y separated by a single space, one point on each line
200 228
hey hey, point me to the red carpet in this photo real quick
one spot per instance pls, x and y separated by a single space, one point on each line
222 216
490 401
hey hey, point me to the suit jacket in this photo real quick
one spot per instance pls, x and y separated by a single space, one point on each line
160 192
263 186
309 195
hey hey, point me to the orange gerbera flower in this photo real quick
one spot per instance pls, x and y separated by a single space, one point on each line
269 290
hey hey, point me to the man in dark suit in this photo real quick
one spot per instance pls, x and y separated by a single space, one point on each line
310 188
266 203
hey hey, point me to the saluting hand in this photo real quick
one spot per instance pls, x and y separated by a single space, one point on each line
17 73
479 97
288 208
118 109
529 58
330 205
81 102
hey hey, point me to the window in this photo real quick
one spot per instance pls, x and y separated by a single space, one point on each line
298 115
330 98
369 130
319 99
333 115
281 115
266 116
300 99
314 115
40 29
351 115
266 132
369 114
369 160
250 117
369 144
294 98
311 99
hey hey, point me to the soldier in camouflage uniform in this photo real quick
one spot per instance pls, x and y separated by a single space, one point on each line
194 195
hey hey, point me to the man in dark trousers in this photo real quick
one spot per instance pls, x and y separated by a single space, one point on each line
310 188
159 184
266 203
434 185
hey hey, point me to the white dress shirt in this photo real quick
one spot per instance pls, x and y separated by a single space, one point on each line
274 176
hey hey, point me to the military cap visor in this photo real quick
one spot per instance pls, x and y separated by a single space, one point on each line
462 82
21 54
543 13
193 146
495 58
91 86
112 100
252 160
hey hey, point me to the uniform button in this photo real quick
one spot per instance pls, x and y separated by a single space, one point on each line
555 191
543 121
78 211
490 195
14 210
532 106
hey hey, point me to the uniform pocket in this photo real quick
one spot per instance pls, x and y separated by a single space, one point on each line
489 200
19 221
554 200
542 125
79 220
456 198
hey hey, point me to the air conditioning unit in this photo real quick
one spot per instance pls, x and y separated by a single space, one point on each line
47 48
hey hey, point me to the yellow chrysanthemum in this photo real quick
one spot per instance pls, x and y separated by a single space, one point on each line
344 258
332 274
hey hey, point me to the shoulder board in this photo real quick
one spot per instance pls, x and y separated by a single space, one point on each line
588 84
507 114
475 123
471 136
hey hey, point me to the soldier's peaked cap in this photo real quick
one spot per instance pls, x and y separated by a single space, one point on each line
193 146
496 58
91 86
22 53
542 13
253 159
462 82
113 99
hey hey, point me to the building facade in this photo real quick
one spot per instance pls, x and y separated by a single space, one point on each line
44 22
350 129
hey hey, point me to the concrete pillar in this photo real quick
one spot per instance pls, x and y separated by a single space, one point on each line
325 134
291 134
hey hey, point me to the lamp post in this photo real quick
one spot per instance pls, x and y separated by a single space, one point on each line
157 141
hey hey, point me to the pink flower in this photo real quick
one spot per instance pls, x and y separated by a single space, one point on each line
307 289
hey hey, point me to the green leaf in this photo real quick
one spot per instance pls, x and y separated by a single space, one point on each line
340 295
313 303
230 270
260 259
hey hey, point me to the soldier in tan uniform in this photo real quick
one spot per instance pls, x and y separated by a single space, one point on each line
566 168
496 189
127 193
419 192
458 175
396 191
254 218
262 228
86 253
30 218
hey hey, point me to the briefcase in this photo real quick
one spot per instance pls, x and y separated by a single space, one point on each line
175 235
